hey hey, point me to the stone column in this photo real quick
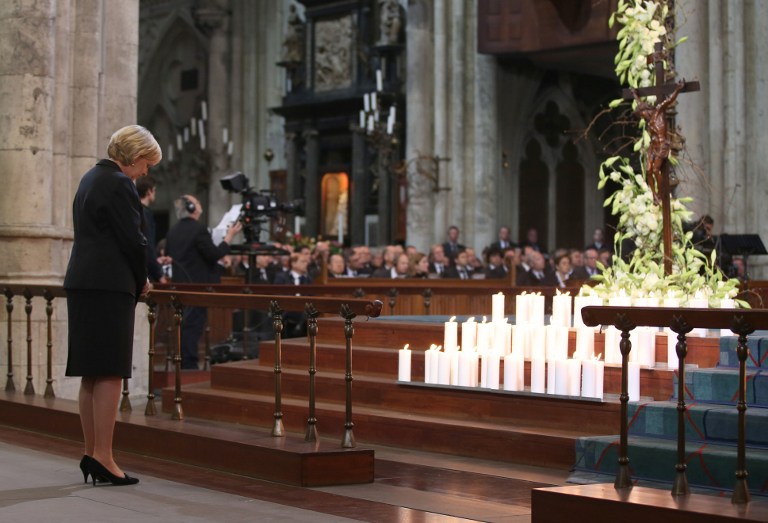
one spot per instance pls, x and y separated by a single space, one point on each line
724 124
421 112
312 183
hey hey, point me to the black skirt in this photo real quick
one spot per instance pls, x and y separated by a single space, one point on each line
100 333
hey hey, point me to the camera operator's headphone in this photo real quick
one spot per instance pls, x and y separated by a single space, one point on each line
189 205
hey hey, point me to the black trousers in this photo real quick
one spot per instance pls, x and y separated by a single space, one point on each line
192 328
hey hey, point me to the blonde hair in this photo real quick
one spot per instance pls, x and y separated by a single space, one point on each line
132 142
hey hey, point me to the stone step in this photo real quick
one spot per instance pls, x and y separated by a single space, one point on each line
758 352
720 386
709 465
704 423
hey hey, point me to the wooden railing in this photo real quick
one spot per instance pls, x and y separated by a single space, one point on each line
311 306
681 321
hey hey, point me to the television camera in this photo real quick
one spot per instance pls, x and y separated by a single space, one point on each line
258 206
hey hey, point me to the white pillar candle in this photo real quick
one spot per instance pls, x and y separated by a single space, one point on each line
497 307
508 339
538 343
469 334
483 335
179 142
538 373
493 370
622 300
510 373
599 379
522 306
585 343
646 346
362 119
474 373
499 342
374 105
451 334
537 309
634 381
404 365
562 305
588 378
434 371
634 339
551 375
454 378
561 377
444 368
428 364
612 351
483 353
465 367
574 377
552 340
579 302
366 103
379 80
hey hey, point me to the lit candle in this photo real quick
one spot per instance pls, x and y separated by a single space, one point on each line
362 119
551 375
483 335
390 126
673 362
404 364
428 354
646 345
537 348
561 377
599 379
434 370
561 309
493 358
588 378
537 309
585 343
557 342
497 306
499 343
579 303
450 335
622 300
634 381
521 309
468 334
366 102
379 80
466 365
612 351
444 367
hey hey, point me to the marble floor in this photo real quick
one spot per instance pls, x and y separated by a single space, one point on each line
40 481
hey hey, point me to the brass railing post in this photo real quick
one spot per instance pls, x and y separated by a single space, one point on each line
277 323
149 410
312 315
49 345
178 315
170 348
680 484
125 401
427 294
623 477
741 490
348 440
9 386
30 388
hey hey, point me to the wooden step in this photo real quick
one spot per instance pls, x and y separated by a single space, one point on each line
486 440
451 403
228 448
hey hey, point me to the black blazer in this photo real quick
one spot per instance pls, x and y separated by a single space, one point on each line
109 248
194 255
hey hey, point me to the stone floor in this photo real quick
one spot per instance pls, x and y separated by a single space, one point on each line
40 481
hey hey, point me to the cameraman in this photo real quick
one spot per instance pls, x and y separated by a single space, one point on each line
195 260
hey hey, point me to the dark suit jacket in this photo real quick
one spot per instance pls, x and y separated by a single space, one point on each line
497 272
286 278
194 255
529 279
453 272
497 246
451 252
109 248
148 227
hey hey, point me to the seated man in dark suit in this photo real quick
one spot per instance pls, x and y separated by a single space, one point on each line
539 274
195 260
495 268
504 242
461 269
452 247
294 322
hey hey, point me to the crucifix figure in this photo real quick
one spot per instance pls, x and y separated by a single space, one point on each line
657 160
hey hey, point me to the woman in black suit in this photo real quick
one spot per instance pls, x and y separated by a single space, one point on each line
106 275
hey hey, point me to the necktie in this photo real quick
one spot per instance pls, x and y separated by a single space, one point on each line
297 280
263 275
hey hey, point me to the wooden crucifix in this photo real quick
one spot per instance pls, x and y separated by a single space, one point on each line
657 165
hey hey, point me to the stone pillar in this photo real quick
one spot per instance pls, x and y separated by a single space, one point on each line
358 196
421 111
724 124
312 183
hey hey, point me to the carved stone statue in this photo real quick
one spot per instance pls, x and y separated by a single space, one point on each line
293 44
390 22
656 119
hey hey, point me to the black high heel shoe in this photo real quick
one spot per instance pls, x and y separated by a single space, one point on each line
84 467
97 470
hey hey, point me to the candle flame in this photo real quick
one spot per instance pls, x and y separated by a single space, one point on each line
484 319
500 293
406 346
453 318
471 319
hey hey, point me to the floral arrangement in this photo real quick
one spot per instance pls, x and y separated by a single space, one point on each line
640 217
